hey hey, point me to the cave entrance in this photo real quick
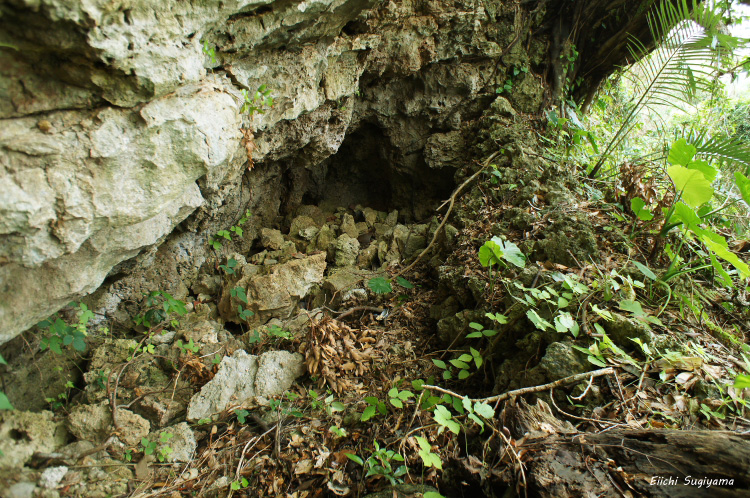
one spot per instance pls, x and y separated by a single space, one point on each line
368 170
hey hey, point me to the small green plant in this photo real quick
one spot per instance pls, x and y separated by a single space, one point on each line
216 240
189 346
150 447
210 51
241 415
337 431
382 285
461 363
4 401
284 407
229 268
398 398
241 484
241 295
375 406
61 334
327 404
381 463
161 309
429 458
62 399
259 102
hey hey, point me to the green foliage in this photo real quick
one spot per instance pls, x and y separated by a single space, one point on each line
497 251
398 398
229 268
209 51
189 346
259 101
241 415
150 447
375 406
216 240
429 458
241 484
381 463
4 402
161 308
380 285
60 334
689 43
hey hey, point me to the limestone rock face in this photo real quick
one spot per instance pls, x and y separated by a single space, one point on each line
122 120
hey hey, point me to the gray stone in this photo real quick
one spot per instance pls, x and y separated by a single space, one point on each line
243 377
182 442
300 225
21 490
562 360
24 433
233 384
52 476
348 226
277 370
347 250
621 329
94 423
325 241
271 239
273 291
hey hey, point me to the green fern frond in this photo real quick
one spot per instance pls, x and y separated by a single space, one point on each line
730 149
683 65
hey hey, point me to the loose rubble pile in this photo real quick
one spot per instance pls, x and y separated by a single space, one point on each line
162 390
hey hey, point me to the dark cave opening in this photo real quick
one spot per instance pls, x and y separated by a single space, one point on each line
369 171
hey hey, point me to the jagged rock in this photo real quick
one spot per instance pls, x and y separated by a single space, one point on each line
242 377
207 284
347 250
621 329
182 442
21 490
28 384
94 423
198 329
562 360
348 226
325 241
24 433
273 291
392 219
271 239
234 383
52 476
300 227
277 370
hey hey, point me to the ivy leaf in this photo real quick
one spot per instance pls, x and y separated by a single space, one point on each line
483 410
686 215
439 364
380 285
443 417
645 270
708 171
637 205
368 414
696 190
538 321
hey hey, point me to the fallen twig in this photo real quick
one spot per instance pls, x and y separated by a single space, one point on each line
451 201
527 390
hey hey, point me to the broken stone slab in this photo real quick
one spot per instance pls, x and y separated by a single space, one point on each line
243 377
348 226
273 291
52 476
271 239
347 250
94 423
24 433
182 442
561 360
301 224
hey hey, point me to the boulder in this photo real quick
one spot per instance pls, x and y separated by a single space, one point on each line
24 433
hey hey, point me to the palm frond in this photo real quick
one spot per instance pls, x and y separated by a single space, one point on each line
730 149
683 64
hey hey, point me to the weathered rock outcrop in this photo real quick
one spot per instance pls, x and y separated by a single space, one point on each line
117 125
121 120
